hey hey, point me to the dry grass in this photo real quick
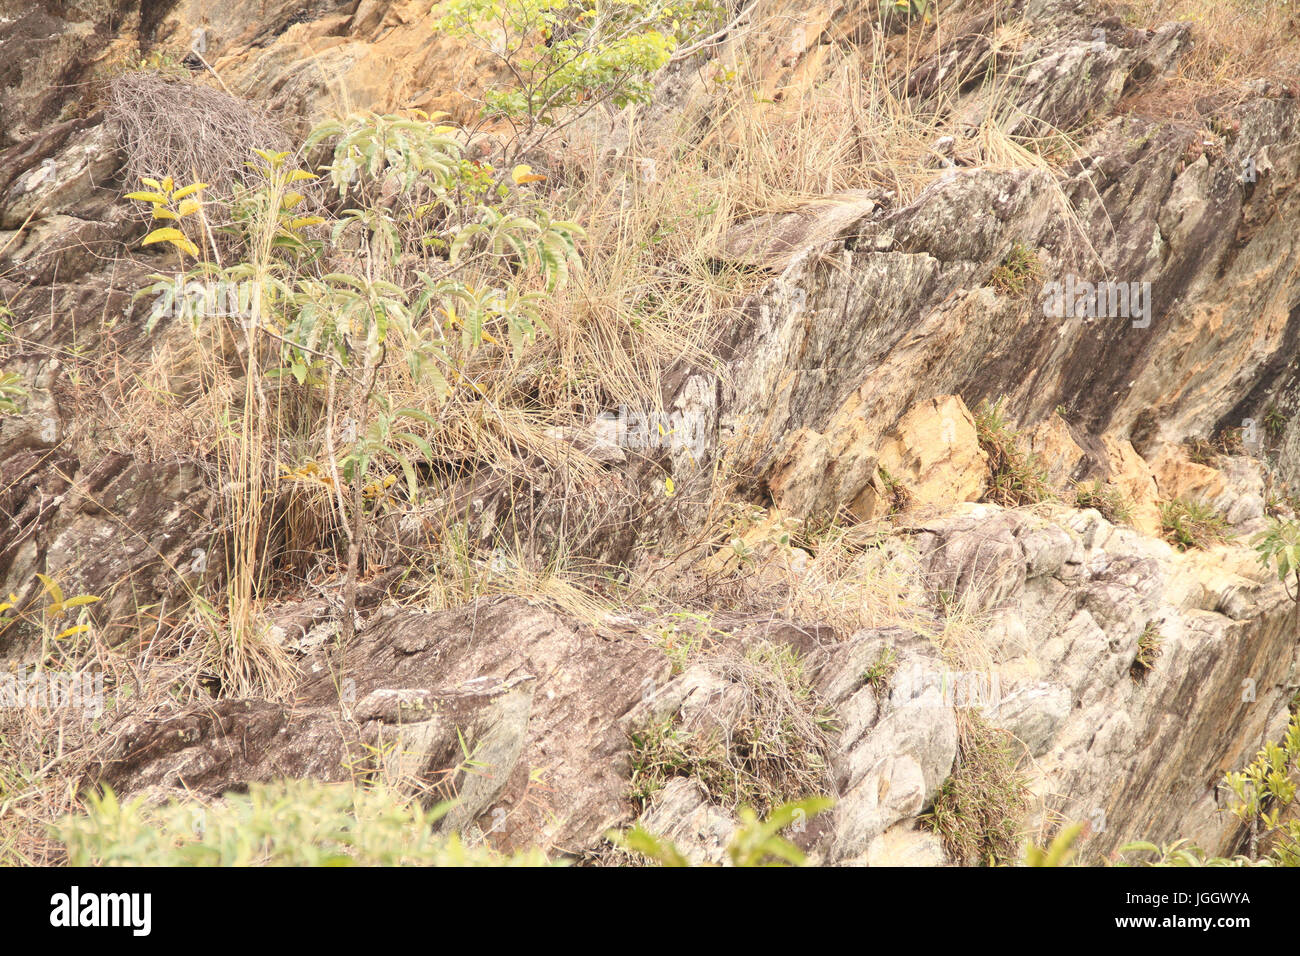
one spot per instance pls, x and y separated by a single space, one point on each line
1233 42
188 131
980 810
47 748
764 743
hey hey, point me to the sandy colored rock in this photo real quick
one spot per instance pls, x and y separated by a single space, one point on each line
1135 480
930 460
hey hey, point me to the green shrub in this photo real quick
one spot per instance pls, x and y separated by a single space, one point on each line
1264 794
289 823
1279 550
563 58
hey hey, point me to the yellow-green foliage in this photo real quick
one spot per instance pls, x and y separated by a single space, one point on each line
1264 794
290 823
1191 524
11 390
755 843
565 57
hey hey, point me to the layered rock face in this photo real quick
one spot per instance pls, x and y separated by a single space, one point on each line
850 385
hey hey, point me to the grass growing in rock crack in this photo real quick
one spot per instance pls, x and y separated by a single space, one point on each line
1148 650
881 670
763 744
980 810
1191 524
895 492
1104 498
1016 476
1019 269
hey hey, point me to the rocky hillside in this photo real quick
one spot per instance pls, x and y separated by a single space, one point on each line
600 420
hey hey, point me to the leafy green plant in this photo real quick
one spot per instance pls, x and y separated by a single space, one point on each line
288 823
171 204
1279 549
1264 792
1275 422
564 58
1060 852
549 246
53 622
1181 853
1191 524
370 147
1263 795
755 842
11 391
334 306
882 670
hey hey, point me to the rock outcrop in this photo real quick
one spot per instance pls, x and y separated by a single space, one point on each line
1130 675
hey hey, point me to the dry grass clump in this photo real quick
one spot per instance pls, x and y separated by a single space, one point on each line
1233 42
53 735
765 743
980 810
193 133
1016 476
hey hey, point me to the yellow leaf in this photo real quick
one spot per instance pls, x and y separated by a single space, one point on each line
188 206
76 629
161 213
523 173
151 183
167 184
188 190
157 198
174 236
303 221
52 588
291 199
670 489
167 234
